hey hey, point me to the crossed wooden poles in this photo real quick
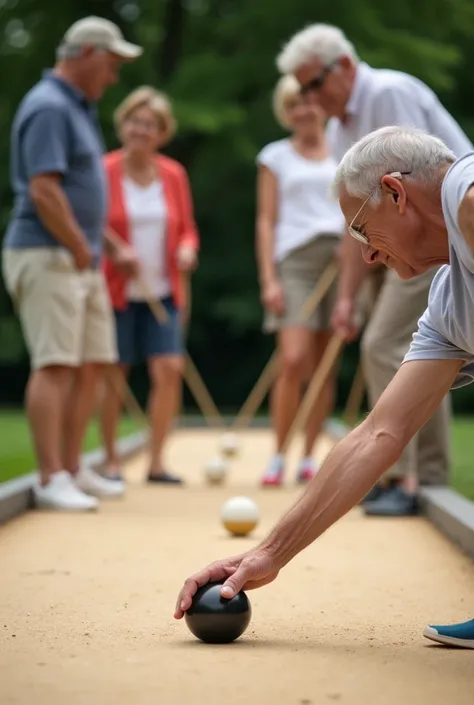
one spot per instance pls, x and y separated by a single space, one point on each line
249 408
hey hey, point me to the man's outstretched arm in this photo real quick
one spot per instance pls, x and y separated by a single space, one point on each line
359 460
348 473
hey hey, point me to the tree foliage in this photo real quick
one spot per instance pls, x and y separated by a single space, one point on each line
216 60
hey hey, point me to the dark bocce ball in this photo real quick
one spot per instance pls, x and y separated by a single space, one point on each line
216 620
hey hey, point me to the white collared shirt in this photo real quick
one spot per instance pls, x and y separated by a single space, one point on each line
382 97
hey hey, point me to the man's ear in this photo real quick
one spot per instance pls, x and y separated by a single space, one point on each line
345 62
88 50
394 188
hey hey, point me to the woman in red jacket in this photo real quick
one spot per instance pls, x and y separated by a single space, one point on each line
151 210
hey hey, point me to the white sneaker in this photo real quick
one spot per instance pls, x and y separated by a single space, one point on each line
62 494
90 482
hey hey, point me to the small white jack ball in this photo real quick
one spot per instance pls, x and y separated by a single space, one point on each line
216 471
240 515
229 444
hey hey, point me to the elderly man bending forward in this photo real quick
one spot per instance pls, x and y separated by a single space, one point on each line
410 203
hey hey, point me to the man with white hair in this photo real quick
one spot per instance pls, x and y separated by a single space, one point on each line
359 99
52 256
408 204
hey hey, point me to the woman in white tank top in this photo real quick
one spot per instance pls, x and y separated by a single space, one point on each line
298 229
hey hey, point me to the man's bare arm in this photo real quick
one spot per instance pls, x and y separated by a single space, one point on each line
346 476
360 459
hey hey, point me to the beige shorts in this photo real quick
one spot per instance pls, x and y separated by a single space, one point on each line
299 273
65 314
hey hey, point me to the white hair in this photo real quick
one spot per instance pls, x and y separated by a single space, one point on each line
318 41
389 149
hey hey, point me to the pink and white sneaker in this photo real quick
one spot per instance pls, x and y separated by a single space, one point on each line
307 470
273 476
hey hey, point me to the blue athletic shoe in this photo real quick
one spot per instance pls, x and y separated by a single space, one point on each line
461 635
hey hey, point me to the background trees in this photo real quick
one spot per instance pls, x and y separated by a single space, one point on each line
216 59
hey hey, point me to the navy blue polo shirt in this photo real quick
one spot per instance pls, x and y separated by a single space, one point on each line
56 130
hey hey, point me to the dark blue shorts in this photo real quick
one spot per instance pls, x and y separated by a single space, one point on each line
140 336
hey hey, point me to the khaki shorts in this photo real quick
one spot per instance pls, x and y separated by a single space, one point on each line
65 314
299 273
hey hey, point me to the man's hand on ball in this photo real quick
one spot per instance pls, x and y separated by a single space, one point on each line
245 572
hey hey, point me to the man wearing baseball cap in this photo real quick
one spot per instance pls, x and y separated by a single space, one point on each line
52 252
101 33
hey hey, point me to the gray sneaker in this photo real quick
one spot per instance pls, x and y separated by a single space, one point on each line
377 491
393 503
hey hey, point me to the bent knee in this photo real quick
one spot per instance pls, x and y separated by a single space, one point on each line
293 364
168 369
54 372
89 372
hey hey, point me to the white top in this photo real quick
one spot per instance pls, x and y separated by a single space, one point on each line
147 213
306 208
381 97
446 329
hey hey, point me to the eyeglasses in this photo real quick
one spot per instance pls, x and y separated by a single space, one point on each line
317 82
355 230
146 125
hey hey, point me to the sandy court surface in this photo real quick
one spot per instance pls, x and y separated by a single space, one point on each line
87 601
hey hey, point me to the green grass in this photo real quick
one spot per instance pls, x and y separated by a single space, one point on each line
16 451
462 476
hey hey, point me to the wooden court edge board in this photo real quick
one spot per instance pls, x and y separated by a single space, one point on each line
452 514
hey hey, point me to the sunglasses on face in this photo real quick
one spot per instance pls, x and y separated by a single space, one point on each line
356 230
317 82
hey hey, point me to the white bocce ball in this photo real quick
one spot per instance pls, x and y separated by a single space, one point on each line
216 471
240 515
229 444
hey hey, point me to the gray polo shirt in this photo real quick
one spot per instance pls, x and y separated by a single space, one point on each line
446 329
56 130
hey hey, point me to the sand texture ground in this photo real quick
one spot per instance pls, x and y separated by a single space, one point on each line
87 601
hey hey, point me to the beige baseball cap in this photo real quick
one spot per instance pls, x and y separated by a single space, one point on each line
102 33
